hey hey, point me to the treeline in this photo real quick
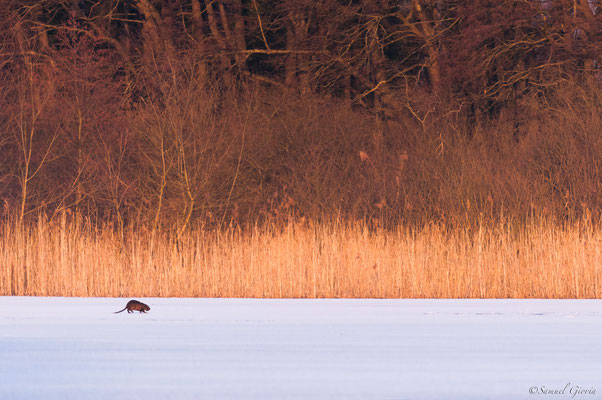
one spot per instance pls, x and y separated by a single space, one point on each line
169 114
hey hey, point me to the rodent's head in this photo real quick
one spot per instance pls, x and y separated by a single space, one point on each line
146 308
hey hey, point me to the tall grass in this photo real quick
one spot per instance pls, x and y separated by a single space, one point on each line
537 260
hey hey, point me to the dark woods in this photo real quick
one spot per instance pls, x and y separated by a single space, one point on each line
170 114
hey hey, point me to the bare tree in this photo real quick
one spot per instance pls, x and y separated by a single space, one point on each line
35 83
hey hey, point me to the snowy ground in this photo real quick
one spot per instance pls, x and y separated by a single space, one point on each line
76 348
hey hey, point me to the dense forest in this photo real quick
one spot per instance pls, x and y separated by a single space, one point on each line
168 114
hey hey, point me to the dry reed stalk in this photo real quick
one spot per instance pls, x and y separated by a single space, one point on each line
536 261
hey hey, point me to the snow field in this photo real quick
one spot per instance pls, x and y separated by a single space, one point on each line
76 348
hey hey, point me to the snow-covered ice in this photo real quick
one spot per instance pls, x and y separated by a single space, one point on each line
76 348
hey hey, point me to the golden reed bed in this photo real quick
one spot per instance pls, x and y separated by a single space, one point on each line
300 260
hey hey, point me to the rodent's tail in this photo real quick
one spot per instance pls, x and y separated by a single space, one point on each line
117 312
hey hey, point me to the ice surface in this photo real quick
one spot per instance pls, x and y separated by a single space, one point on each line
76 348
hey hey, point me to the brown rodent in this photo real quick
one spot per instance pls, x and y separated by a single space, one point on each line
134 305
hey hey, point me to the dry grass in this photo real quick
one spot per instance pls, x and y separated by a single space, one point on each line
302 260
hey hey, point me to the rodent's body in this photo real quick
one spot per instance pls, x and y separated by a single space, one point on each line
135 305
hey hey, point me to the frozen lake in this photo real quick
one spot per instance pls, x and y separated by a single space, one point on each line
76 348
